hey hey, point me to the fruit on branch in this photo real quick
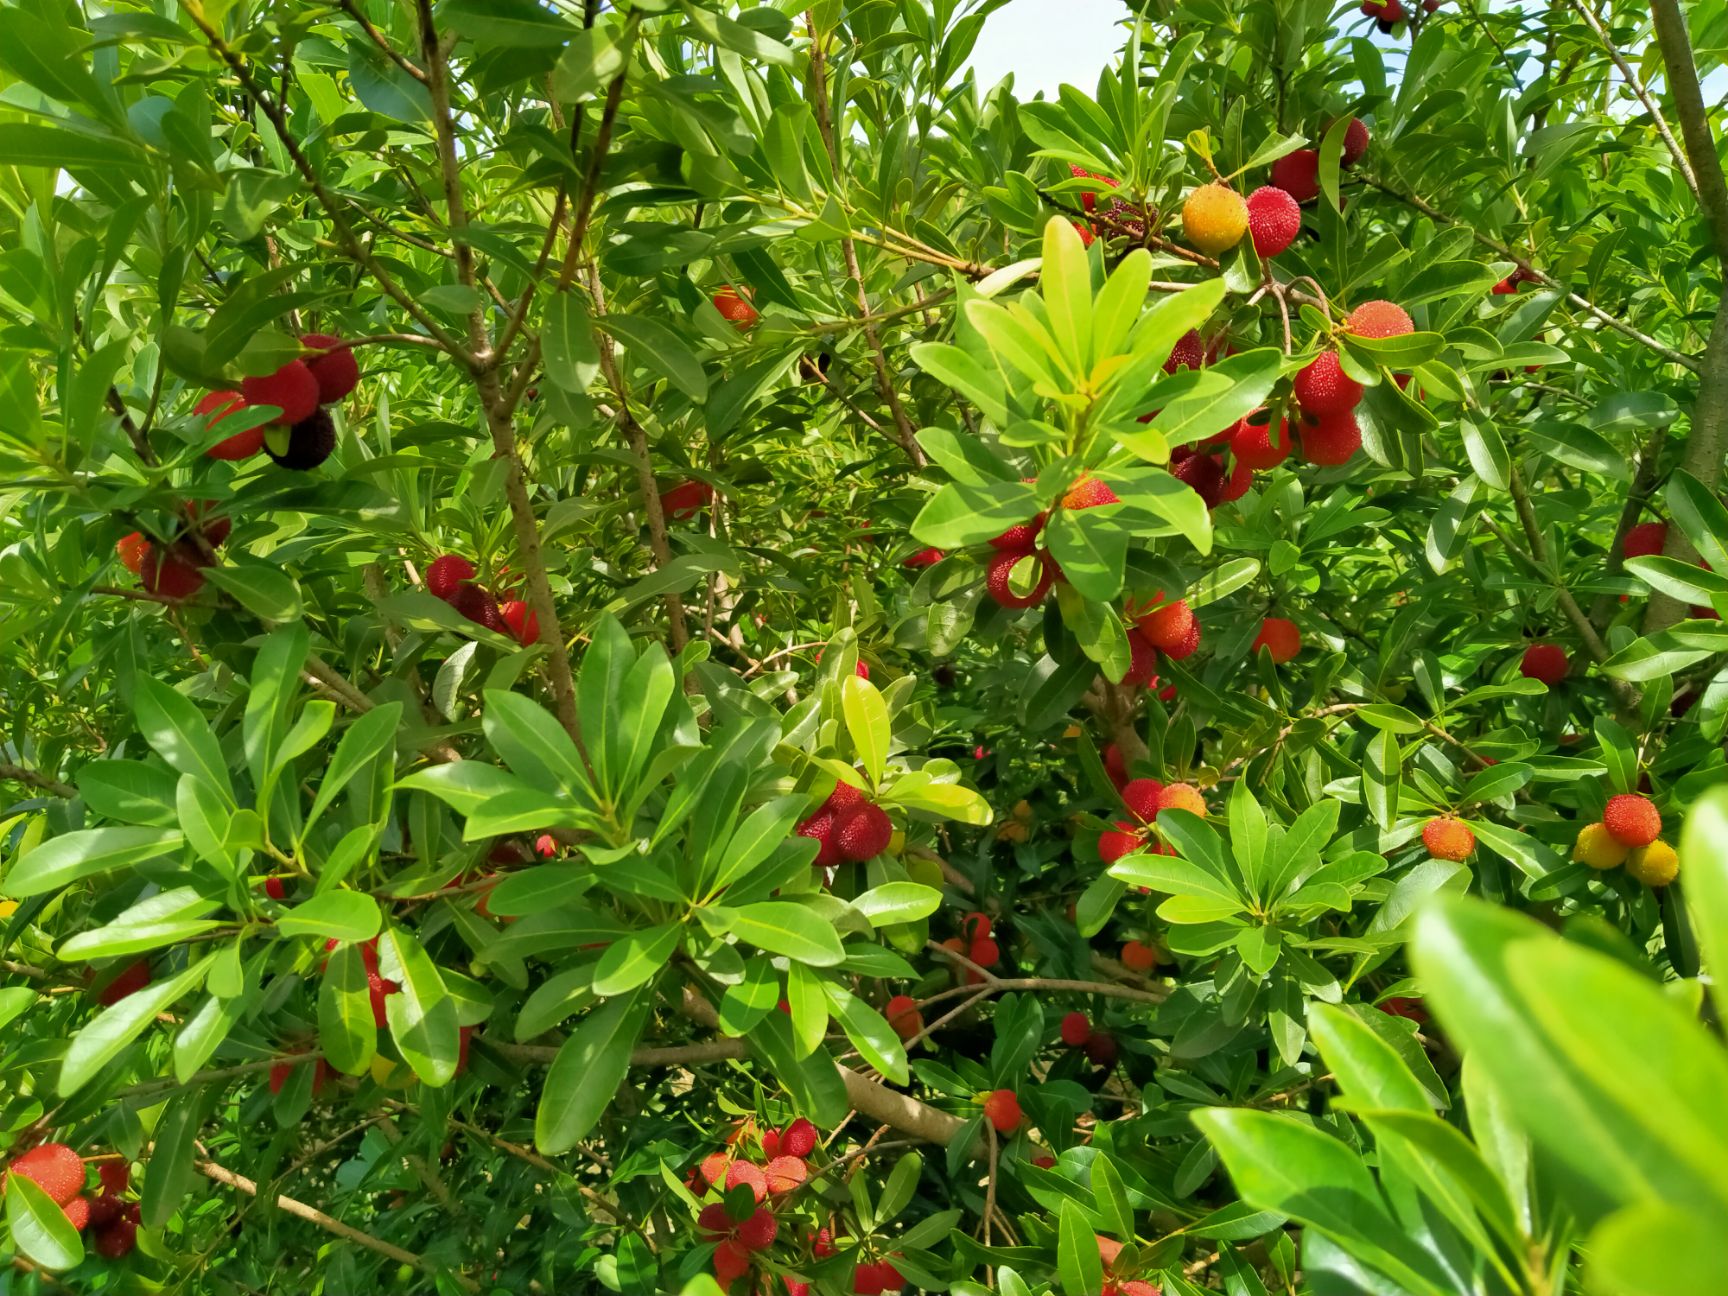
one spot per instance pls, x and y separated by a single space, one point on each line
1298 174
115 1239
1002 1110
1236 484
275 888
1598 848
685 500
798 1139
1115 764
1020 537
1182 796
446 573
1331 439
1143 797
904 1016
1124 839
1168 626
77 1212
1139 957
521 621
863 832
132 550
1280 637
1214 218
928 557
1655 865
1545 662
307 444
1142 661
291 389
1274 220
1645 540
1632 820
171 575
1076 1029
1322 387
998 579
280 1073
735 306
54 1168
1380 319
1188 353
132 978
1088 492
1355 142
337 372
1251 443
741 1174
731 1261
819 828
1447 838
1202 473
1102 1049
242 445
477 604
1087 235
757 1233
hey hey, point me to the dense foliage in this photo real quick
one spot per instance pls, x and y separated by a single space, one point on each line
649 645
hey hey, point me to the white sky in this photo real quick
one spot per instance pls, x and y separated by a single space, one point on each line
1047 42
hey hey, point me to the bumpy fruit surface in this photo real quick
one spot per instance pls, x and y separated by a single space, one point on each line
1251 444
1182 796
731 1261
1645 540
54 1168
1632 820
1186 648
1274 220
819 827
1139 957
311 441
1101 1049
923 558
1214 218
1655 865
169 574
743 1174
903 1015
291 389
1380 319
478 605
1087 493
1168 625
1597 847
785 1174
798 1139
132 550
997 580
1188 353
732 306
1331 440
1355 142
1203 474
1141 796
863 833
446 574
1002 1110
1322 387
757 1233
336 371
1298 174
1448 838
242 445
115 1240
1076 1029
1544 662
1123 839
1279 637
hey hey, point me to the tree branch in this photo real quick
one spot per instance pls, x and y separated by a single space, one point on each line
1681 70
31 778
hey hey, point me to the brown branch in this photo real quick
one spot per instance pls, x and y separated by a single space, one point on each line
32 778
312 1215
1681 71
377 38
1643 485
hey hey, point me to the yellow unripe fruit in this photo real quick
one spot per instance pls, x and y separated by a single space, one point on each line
8 908
1597 848
1214 218
1655 865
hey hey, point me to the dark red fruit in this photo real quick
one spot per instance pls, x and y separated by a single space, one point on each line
1298 174
446 574
291 389
311 441
478 606
336 372
863 833
1076 1029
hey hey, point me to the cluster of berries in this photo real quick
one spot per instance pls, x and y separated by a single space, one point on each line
451 578
977 945
302 392
1387 14
1629 833
175 570
848 828
59 1171
1077 1032
1145 800
1647 540
740 1226
1168 628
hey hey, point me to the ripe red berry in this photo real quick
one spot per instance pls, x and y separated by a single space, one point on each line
1168 625
169 574
77 1212
713 1168
903 1016
1355 142
337 371
1632 820
685 500
1645 540
892 1281
822 1245
132 549
997 579
1085 231
1123 839
1137 957
1076 1029
757 1232
1279 637
819 827
1448 838
1019 538
116 1177
864 833
133 979
1115 764
546 845
713 1222
446 575
1142 660
1203 473
1298 174
867 1280
731 1261
1544 662
985 952
1380 319
1331 440
785 1174
1236 484
799 1138
1188 353
732 306
115 1240
478 605
275 888
1141 796
242 445
1251 444
743 1173
1186 646
923 558
1088 492
1274 220
291 389
54 1168
1002 1110
976 926
844 797
1322 387
1101 1049
521 620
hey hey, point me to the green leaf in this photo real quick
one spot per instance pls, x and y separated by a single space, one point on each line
63 860
959 369
586 1073
1701 516
465 785
168 1171
172 725
133 792
1232 388
38 144
532 743
1067 290
782 927
867 723
755 840
660 349
1368 1070
347 1026
422 1015
100 1041
39 1228
336 915
1382 777
870 1034
492 24
1091 551
368 738
963 513
1079 1267
634 958
206 821
898 902
1658 1249
1704 865
267 592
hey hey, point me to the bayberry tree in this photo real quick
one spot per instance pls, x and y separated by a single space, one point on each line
656 646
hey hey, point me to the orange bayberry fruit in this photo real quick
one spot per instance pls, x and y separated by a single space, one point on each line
903 1015
1002 1110
133 550
734 307
1168 626
1274 220
1214 218
1633 820
1182 796
1322 387
1088 492
1448 838
1279 637
1298 174
1137 957
1544 662
54 1168
742 1172
1380 319
1076 1029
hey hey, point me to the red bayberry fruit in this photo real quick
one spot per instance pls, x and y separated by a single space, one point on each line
713 1222
734 307
822 1245
742 1172
242 445
1122 840
757 1233
1019 537
686 500
1101 1049
903 1016
785 1174
1002 1110
819 827
1544 662
997 579
1448 838
985 953
867 1280
1355 142
115 1240
169 574
864 833
447 574
521 620
133 979
1203 473
54 1168
1251 444
337 372
132 550
1088 492
116 1177
1115 764
731 1261
1322 387
713 1168
478 605
1643 540
291 389
1182 796
1380 319
799 1138
1331 440
1188 353
923 558
1168 625
1076 1029
1298 174
1274 220
1141 797
1632 820
1279 637
1137 957
275 888
976 926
